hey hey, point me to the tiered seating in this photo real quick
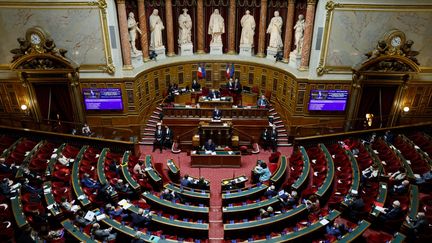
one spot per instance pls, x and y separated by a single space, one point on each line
418 163
319 166
391 162
423 141
299 169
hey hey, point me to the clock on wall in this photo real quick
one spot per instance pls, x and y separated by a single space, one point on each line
36 36
395 39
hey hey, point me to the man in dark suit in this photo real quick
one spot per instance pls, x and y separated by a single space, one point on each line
214 94
393 212
230 86
195 86
141 218
265 137
262 102
168 140
237 91
217 114
159 138
210 146
273 138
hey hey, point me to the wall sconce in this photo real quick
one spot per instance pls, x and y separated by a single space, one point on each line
406 109
24 107
369 118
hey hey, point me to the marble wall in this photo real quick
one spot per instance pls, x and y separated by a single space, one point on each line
355 32
76 29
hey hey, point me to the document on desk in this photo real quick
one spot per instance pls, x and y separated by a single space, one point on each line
324 221
213 153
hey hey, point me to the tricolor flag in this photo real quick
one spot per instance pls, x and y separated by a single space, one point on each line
201 72
229 71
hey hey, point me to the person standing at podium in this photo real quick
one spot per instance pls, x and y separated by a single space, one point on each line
195 86
217 114
262 102
210 146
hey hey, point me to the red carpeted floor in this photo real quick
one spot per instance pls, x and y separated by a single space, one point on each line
214 175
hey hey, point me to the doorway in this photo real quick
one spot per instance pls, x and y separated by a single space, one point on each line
55 105
378 101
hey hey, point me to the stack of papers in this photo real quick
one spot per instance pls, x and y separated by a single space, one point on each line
324 221
125 204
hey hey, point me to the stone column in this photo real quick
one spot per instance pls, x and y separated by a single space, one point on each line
169 29
262 29
143 26
200 27
231 27
124 34
307 39
289 30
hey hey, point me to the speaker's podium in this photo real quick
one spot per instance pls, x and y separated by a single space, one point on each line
220 131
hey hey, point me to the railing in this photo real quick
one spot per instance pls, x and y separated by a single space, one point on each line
244 135
187 136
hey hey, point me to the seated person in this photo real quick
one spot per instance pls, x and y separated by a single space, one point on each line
270 192
88 182
419 224
337 230
370 172
401 188
80 219
113 166
141 219
5 188
217 114
313 204
123 188
195 86
263 172
168 139
170 195
159 138
86 130
185 181
202 184
5 168
288 199
213 94
69 206
115 211
425 178
391 213
262 102
355 205
397 176
138 169
210 145
263 213
102 234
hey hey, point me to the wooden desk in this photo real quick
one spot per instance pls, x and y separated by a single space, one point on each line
300 182
17 210
224 102
242 195
177 208
355 233
27 159
50 200
156 179
237 182
247 210
398 238
126 174
174 171
413 207
265 225
246 113
220 159
52 161
196 195
303 232
219 131
249 99
279 176
183 98
76 184
76 232
328 182
101 172
381 198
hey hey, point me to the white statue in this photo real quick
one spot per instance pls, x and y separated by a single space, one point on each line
156 27
216 27
248 29
299 31
133 29
185 27
275 30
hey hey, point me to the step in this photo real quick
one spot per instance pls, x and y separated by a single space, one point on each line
284 144
159 108
150 129
148 134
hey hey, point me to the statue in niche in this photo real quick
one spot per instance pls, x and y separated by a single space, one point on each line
133 29
275 30
248 29
156 27
185 28
216 27
299 34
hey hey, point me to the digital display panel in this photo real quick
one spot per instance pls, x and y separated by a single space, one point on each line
102 99
328 100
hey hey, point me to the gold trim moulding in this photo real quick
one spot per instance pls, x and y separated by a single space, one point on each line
332 6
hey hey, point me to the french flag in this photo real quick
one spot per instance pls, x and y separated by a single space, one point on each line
201 72
229 71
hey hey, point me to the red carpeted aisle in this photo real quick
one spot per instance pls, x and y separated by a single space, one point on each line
214 175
